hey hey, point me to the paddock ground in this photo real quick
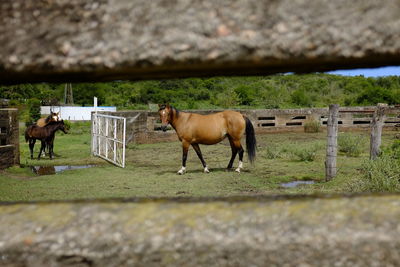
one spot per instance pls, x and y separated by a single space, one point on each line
151 170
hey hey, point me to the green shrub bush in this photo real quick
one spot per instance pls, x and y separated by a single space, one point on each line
273 152
395 149
305 153
380 175
351 145
312 126
67 124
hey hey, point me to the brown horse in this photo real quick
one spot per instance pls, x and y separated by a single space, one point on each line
194 129
45 135
54 116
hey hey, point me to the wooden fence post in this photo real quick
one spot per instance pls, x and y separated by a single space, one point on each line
376 130
331 148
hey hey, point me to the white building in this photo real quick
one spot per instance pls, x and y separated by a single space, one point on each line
72 113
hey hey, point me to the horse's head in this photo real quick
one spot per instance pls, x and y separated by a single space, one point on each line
61 126
55 116
165 112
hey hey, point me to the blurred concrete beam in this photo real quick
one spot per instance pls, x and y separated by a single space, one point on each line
103 40
295 231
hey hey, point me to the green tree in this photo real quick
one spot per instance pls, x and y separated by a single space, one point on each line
375 95
34 111
301 98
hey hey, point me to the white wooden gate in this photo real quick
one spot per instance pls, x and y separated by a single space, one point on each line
108 138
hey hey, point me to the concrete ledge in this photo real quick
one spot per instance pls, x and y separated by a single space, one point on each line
141 124
98 40
356 231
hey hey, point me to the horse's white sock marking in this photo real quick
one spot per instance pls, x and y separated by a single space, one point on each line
206 170
182 170
240 166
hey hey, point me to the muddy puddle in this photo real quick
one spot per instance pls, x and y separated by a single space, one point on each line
296 183
48 170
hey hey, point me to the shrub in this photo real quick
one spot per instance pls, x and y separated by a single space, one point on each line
380 175
351 145
305 153
312 126
394 150
67 124
273 152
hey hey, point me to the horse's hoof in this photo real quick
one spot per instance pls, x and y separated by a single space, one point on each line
206 170
237 170
182 171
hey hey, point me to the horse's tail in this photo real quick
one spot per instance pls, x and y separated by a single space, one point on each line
251 143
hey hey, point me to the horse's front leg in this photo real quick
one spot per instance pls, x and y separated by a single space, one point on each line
50 145
42 148
185 149
198 152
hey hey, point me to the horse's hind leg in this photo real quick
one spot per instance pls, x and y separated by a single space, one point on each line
42 147
198 152
235 144
241 152
31 146
51 146
234 152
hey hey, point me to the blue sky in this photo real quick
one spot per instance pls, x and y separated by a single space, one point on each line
376 72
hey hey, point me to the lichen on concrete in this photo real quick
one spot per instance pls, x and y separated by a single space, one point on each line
97 40
294 231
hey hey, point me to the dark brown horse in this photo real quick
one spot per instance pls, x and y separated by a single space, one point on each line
54 116
194 129
45 135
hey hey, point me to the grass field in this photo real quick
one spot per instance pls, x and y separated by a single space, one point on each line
151 170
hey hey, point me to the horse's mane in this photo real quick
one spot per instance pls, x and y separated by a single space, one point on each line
176 111
48 118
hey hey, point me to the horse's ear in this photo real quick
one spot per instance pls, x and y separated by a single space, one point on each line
167 105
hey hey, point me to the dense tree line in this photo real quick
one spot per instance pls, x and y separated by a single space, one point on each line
277 91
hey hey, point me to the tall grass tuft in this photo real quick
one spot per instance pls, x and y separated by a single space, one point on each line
351 145
312 126
380 175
